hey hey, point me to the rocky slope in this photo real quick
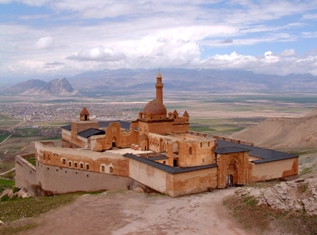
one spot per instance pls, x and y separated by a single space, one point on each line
298 196
38 87
283 133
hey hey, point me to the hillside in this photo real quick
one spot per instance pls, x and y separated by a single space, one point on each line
291 134
38 87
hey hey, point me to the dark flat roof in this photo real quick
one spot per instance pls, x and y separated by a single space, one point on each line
233 149
90 132
266 155
103 124
68 127
123 124
166 168
162 157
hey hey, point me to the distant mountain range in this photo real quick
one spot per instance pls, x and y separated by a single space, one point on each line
140 80
132 80
38 87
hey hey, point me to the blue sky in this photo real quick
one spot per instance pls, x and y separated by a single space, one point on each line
49 39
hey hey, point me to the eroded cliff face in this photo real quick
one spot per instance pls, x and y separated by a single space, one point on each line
298 195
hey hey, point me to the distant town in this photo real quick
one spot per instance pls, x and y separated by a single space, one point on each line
40 112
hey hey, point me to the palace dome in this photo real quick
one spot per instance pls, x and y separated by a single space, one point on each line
154 107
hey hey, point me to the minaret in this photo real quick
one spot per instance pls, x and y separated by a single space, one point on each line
159 87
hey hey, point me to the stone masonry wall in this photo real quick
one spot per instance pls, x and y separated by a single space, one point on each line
192 182
274 170
25 174
58 180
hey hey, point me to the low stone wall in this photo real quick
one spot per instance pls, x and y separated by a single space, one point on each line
274 170
49 180
58 180
25 173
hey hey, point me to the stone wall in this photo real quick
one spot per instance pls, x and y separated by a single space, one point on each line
49 180
79 159
114 137
57 180
274 170
148 175
25 173
192 182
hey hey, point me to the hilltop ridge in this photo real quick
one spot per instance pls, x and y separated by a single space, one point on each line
283 133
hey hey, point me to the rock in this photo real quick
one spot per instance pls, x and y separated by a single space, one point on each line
138 190
23 193
1 223
299 180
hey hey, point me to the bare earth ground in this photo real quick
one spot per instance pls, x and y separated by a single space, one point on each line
132 213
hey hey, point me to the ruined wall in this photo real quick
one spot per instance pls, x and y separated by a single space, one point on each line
192 182
274 170
148 175
25 173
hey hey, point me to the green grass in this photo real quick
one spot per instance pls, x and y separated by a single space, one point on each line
33 206
6 183
32 160
4 136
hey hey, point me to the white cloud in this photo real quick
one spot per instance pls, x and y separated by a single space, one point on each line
98 54
144 34
288 53
45 43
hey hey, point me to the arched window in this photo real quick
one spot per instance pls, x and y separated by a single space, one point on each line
175 148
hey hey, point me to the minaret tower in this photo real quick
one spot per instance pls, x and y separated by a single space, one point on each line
159 87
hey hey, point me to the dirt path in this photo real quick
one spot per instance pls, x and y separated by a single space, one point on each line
133 213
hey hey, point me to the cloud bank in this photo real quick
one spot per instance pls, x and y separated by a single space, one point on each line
67 37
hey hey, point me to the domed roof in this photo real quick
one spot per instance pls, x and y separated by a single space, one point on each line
154 107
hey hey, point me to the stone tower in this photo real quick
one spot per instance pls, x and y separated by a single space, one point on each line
159 88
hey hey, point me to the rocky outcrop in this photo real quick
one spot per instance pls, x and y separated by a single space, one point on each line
37 87
14 193
299 196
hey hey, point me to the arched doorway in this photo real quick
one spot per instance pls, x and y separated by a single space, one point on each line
232 173
114 144
229 180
